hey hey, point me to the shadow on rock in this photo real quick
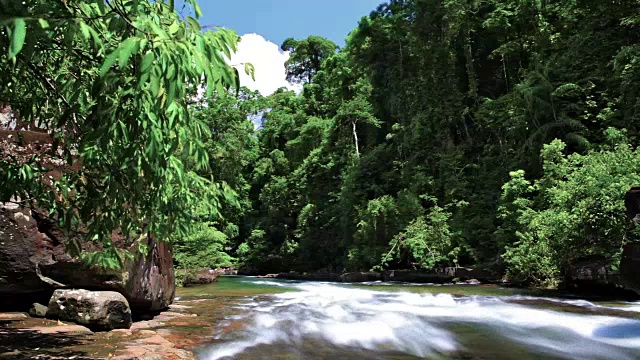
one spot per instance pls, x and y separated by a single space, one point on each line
32 344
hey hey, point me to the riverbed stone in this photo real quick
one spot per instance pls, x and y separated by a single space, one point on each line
97 310
38 310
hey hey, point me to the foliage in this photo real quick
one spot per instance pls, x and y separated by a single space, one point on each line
306 55
204 248
109 81
574 211
430 105
447 98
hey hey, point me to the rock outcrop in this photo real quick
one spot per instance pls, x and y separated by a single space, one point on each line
593 274
33 263
630 267
200 277
360 277
438 276
630 261
97 310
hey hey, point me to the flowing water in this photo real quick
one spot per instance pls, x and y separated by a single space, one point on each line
311 320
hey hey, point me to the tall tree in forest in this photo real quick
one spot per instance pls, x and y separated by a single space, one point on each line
306 56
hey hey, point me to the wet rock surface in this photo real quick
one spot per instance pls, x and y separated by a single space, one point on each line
97 310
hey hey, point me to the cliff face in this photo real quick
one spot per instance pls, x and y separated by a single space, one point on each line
33 263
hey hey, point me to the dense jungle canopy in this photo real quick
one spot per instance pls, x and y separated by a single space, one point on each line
499 134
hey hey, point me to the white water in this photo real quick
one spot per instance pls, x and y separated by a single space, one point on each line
419 325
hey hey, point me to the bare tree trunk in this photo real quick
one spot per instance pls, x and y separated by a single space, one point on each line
355 138
471 73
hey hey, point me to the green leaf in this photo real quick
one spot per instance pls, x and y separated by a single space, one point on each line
174 27
147 60
197 10
249 69
127 48
85 30
17 37
109 61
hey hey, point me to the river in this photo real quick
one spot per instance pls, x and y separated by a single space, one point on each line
277 319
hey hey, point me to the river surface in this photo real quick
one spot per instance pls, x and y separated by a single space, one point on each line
276 319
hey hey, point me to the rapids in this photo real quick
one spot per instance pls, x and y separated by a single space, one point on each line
338 321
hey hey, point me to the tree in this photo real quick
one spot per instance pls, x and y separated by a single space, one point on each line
576 210
109 81
431 105
306 56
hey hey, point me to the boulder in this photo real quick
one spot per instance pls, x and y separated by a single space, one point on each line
418 276
227 271
630 261
632 204
592 274
630 267
38 310
464 274
360 276
200 277
33 263
97 310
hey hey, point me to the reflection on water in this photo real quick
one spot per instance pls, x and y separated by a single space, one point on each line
320 320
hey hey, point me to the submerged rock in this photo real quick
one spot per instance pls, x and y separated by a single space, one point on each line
97 310
34 262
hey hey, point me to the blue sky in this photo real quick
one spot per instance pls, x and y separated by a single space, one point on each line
264 24
277 20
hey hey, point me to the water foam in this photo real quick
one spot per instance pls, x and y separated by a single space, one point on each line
419 324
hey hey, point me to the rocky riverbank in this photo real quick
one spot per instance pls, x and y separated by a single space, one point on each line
439 276
174 334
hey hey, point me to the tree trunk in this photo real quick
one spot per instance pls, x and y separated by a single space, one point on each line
471 73
355 138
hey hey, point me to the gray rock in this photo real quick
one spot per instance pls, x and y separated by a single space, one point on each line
630 267
630 261
360 276
200 277
437 277
38 310
97 310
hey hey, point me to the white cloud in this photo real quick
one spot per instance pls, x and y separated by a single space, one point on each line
268 60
